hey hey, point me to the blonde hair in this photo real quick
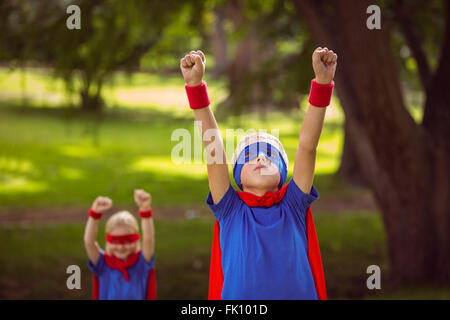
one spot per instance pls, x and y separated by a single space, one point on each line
122 218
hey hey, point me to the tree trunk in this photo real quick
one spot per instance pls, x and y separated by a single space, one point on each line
398 157
436 121
90 102
246 93
219 43
349 169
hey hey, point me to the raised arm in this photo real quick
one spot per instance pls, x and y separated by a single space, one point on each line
324 65
100 205
144 201
193 68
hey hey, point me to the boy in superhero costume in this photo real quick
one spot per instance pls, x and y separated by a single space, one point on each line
123 271
264 245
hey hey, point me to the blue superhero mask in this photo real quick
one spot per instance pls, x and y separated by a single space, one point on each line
252 151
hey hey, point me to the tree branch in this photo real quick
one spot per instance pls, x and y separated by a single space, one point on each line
437 105
311 10
403 14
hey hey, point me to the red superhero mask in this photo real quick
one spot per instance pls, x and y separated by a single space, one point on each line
125 239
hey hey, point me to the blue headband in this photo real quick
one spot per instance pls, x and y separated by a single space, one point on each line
252 151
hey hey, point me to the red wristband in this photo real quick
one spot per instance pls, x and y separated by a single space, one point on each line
95 215
320 94
146 214
198 96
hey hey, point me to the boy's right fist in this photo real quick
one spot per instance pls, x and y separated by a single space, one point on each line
193 68
101 204
324 63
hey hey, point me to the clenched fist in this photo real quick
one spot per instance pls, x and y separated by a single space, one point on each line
101 204
193 68
324 63
143 199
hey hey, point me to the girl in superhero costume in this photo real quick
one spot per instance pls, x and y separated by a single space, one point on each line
123 271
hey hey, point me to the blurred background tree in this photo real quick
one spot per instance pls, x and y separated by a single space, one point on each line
114 35
406 163
266 66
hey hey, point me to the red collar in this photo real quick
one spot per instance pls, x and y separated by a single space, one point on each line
118 264
266 200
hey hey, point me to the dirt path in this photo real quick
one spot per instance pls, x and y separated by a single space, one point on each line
59 215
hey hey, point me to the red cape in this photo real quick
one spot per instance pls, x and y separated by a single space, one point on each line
151 286
315 261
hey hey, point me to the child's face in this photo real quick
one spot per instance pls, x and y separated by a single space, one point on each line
260 173
121 251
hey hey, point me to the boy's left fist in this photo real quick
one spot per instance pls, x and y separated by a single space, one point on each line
193 68
324 63
143 199
101 204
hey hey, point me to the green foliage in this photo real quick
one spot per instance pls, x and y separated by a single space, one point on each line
114 34
282 71
176 41
426 19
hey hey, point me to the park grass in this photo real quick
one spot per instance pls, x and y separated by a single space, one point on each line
44 251
56 158
38 256
48 160
349 243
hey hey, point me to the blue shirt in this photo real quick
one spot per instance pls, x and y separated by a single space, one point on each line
112 282
265 250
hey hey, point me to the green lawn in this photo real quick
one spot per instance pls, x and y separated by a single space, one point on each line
60 157
38 256
45 251
53 156
182 257
50 160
